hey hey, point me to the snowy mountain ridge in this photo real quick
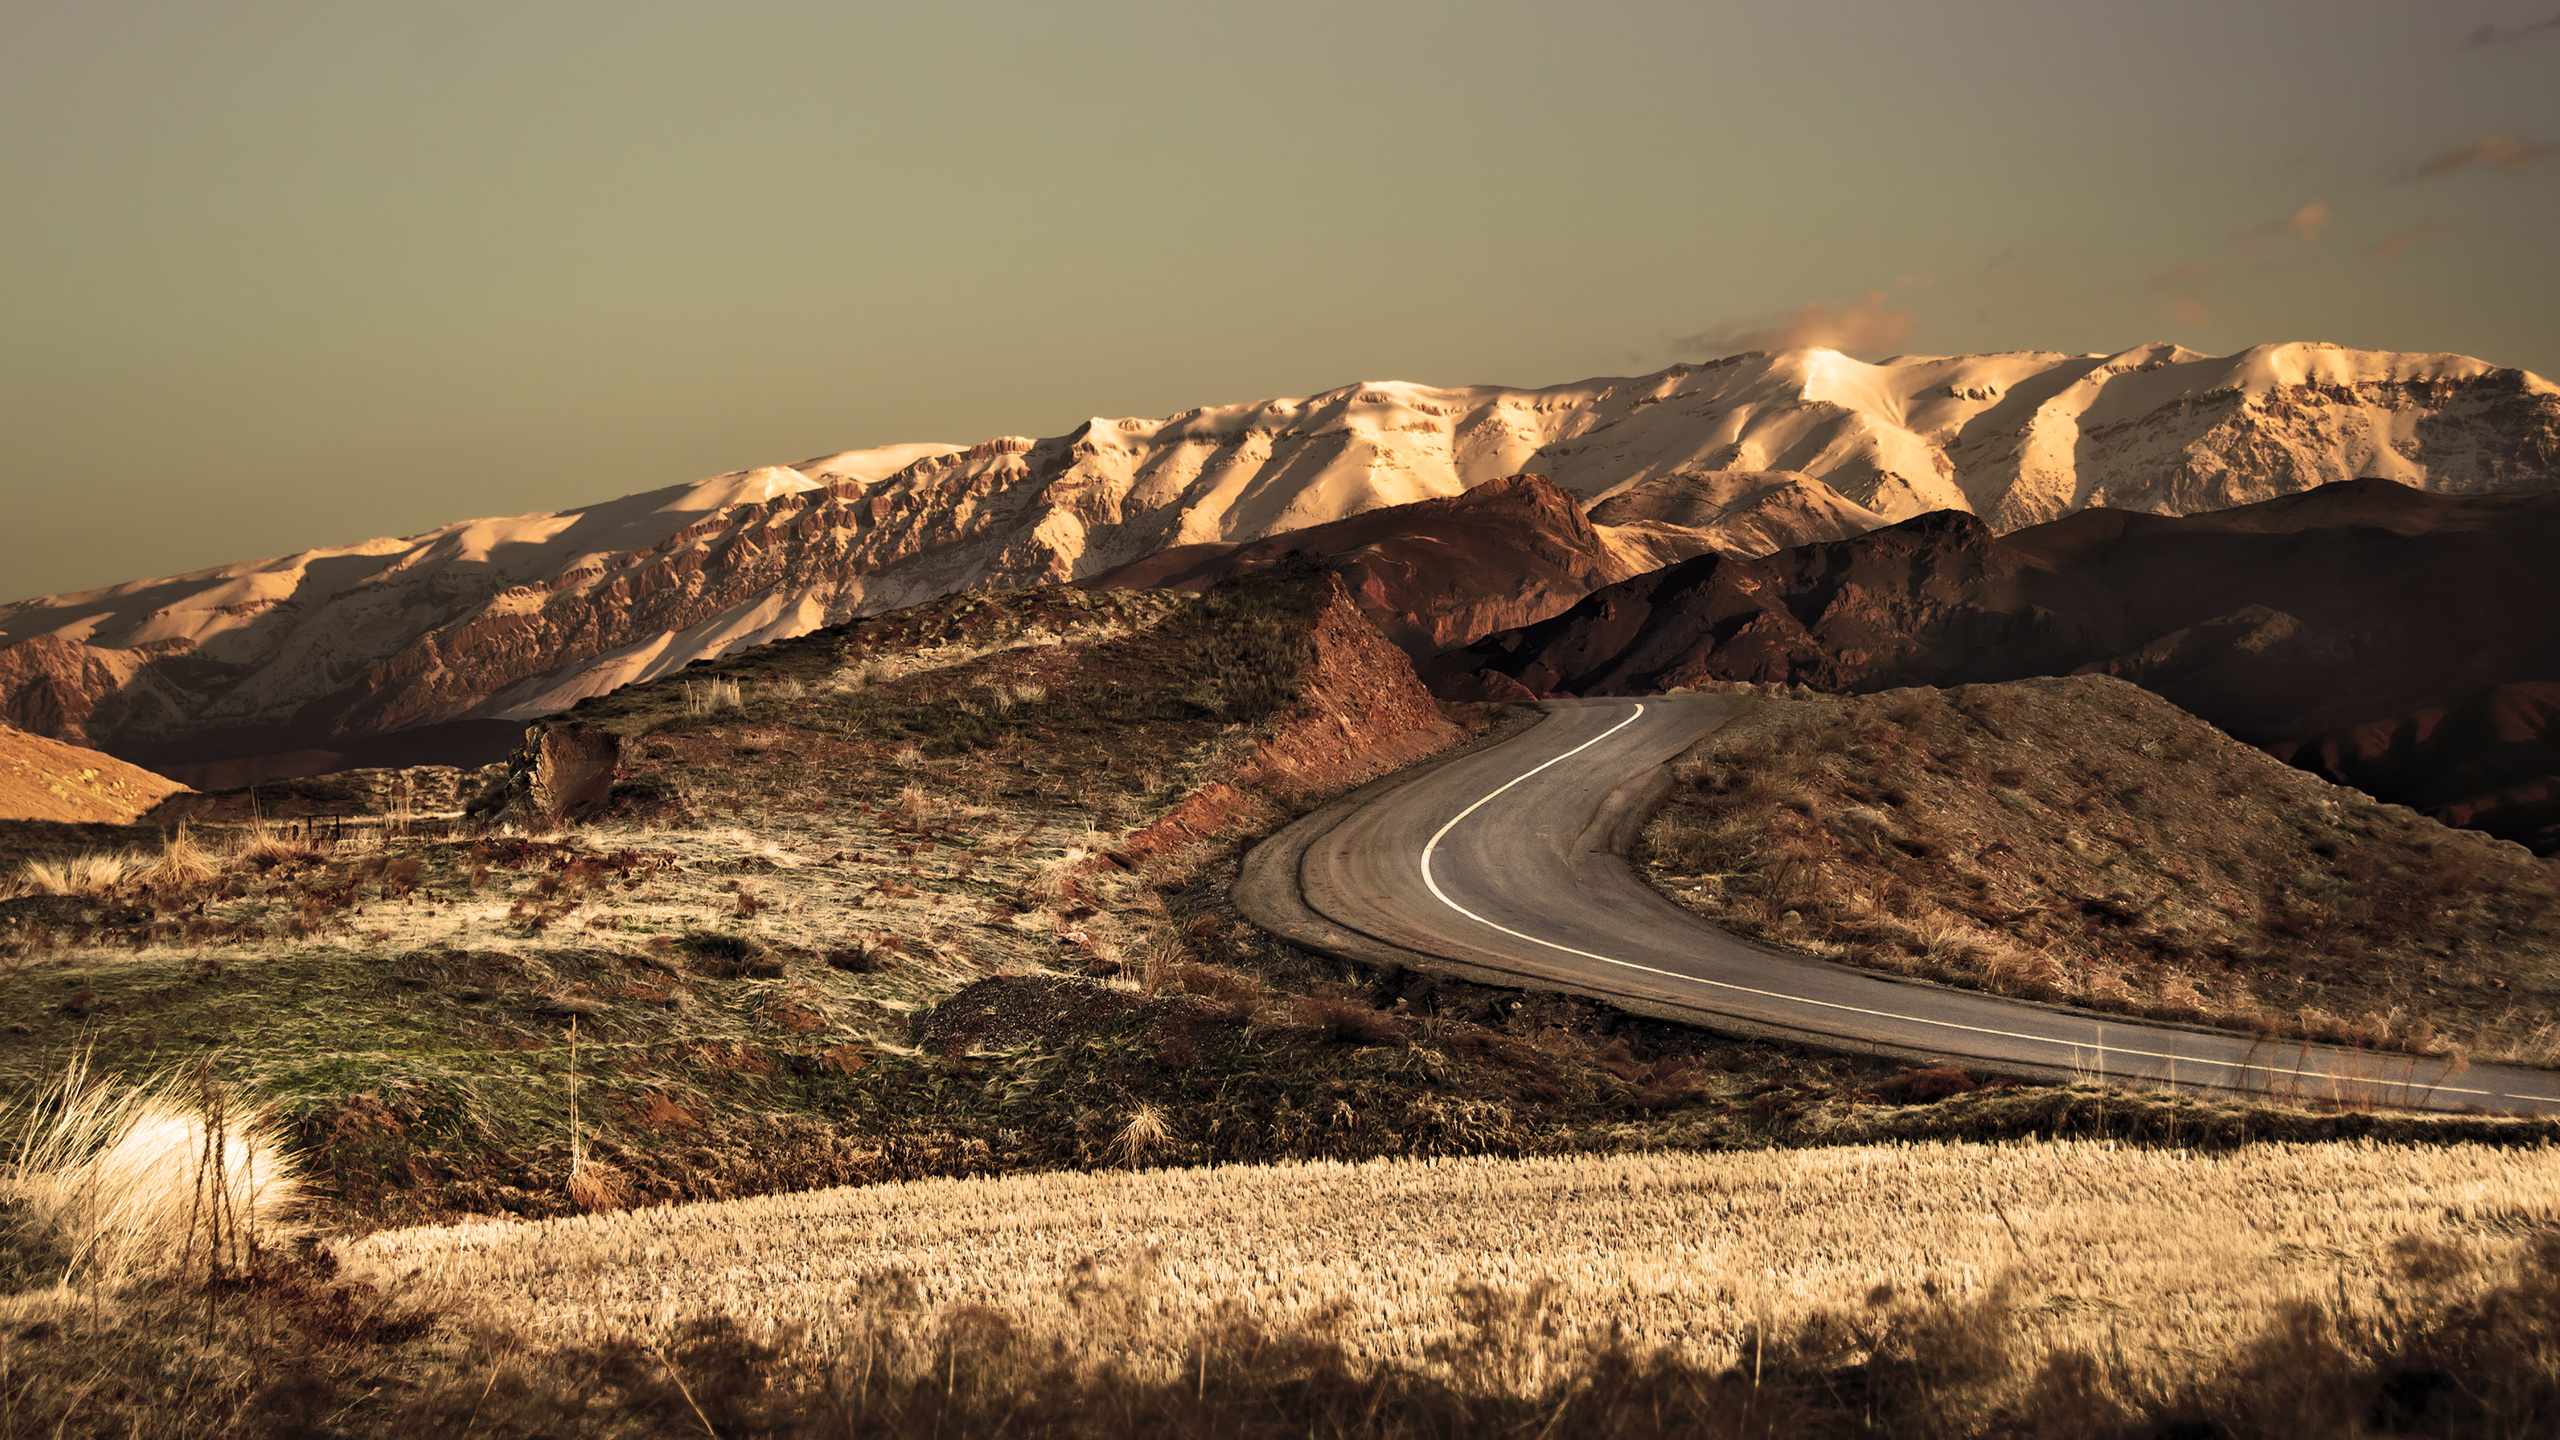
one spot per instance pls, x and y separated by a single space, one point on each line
504 619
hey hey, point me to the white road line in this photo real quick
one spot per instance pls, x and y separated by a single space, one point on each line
1432 846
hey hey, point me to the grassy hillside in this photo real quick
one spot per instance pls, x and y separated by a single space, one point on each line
941 893
2082 840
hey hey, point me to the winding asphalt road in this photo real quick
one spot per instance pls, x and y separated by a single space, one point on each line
1506 863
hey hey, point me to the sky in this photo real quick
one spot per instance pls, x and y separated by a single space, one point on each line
277 274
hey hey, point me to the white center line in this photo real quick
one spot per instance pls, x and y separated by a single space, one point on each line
1431 848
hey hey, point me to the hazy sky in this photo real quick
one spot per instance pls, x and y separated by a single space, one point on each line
288 274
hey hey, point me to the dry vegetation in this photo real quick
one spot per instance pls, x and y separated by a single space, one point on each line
2081 840
804 851
2152 1258
942 894
2050 1290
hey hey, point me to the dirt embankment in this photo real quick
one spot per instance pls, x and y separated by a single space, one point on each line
43 779
2082 840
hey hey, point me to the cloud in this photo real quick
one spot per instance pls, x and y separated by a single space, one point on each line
1865 325
2190 314
2501 151
2307 221
2393 244
2183 276
2509 34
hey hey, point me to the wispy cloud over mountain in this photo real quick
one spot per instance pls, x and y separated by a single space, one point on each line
1866 325
2305 223
2501 151
2509 34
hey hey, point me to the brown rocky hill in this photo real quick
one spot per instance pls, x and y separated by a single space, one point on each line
2489 761
43 779
2279 621
1437 573
432 648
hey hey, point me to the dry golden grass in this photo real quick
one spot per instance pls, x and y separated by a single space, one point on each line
96 873
110 1183
2167 1262
711 696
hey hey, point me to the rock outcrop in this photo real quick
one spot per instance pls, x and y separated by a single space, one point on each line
1437 573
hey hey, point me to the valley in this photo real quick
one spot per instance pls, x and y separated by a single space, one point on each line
938 898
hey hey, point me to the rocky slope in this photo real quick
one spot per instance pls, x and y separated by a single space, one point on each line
2078 840
2490 761
2277 621
297 664
1438 573
43 779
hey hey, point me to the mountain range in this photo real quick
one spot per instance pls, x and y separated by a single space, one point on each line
439 646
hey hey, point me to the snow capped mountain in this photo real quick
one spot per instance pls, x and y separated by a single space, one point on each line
290 664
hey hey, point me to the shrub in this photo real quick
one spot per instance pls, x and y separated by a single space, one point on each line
858 959
124 1182
706 697
1926 1086
1349 1021
727 955
92 874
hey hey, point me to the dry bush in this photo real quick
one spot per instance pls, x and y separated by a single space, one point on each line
1233 991
268 851
915 805
727 955
1349 1021
1060 877
96 873
705 697
1143 1134
185 863
117 1183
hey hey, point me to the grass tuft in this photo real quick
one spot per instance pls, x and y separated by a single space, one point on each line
124 1182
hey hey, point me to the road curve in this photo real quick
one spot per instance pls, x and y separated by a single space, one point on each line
1508 860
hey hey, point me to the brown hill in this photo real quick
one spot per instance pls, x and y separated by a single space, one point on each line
2490 761
43 779
1437 572
2278 621
2078 840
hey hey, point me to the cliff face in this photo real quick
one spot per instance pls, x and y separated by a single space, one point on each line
2277 621
1357 712
292 664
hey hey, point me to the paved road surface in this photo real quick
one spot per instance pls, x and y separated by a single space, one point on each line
1503 860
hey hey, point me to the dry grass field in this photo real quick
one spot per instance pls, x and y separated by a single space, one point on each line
157 1284
2162 1260
2082 840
